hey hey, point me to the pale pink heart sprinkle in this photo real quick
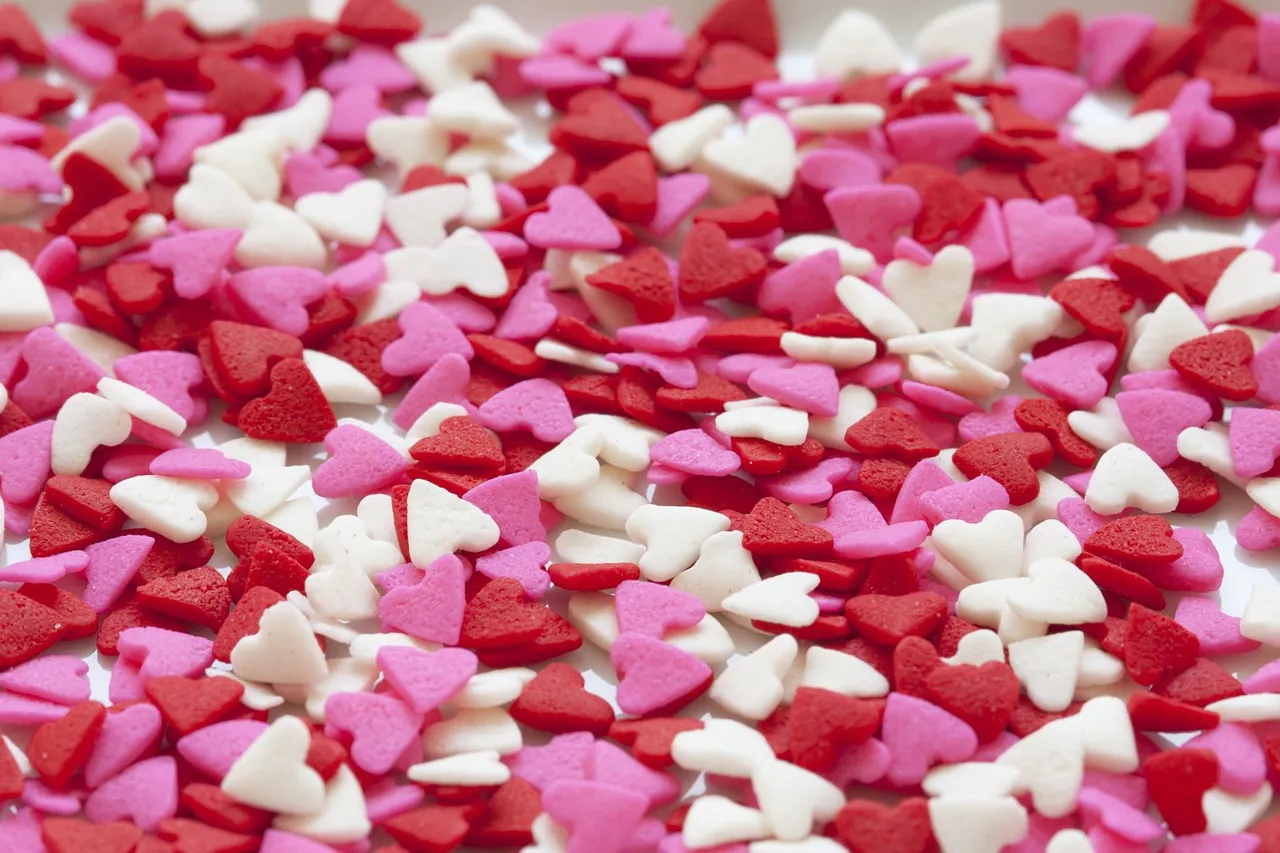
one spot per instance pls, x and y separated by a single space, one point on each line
1258 530
813 486
871 217
1164 380
428 336
864 764
660 475
18 710
925 476
359 463
197 260
653 674
988 240
1265 680
355 107
1219 634
167 376
305 174
739 366
805 288
20 131
880 373
765 242
42 798
538 406
941 431
85 57
432 609
359 276
145 794
860 530
563 757
55 264
572 221
20 832
148 142
613 765
128 461
57 370
828 168
1073 375
1079 481
1156 419
279 841
676 371
405 574
507 246
381 727
525 563
1105 238
940 399
45 569
426 680
970 501
465 313
1242 765
674 843
668 338
678 196
511 500
1214 842
530 314
1117 816
158 652
1080 519
199 463
368 65
126 683
655 610
112 565
1046 93
182 136
652 37
445 382
1043 239
907 249
919 735
213 749
55 678
812 388
1169 158
1195 119
1254 440
1199 569
693 451
24 170
939 140
591 38
277 297
381 802
126 736
1266 369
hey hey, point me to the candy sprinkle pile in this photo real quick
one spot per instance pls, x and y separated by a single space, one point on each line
802 399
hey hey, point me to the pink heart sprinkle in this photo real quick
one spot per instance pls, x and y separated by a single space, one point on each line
536 405
368 65
919 735
678 196
1156 418
42 798
20 833
126 735
112 565
804 289
1199 569
680 372
465 313
1046 93
599 817
653 38
1255 440
811 388
182 136
1118 817
359 463
692 451
525 563
870 217
148 141
554 72
279 841
197 260
591 38
167 376
925 476
1040 240
445 382
199 463
45 569
511 500
380 727
278 297
531 314
426 680
864 764
573 221
305 174
613 765
989 241
213 749
969 501
940 139
85 57
18 710
55 265
428 336
814 486
661 475
828 168
127 461
1258 530
563 757
739 366
999 420
1219 634
655 610
860 530
653 674
24 170
56 371
158 652
432 609
145 794
359 276
1109 42
355 107
55 678
381 803
669 338
1073 375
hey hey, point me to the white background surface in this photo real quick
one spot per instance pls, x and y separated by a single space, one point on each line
801 22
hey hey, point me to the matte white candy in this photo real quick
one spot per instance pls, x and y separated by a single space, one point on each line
1050 538
606 503
1160 332
723 568
855 403
856 43
987 550
283 651
212 199
1130 134
341 820
266 489
678 144
256 697
1228 813
1009 324
26 303
673 537
420 217
1103 427
474 769
880 314
432 62
352 216
976 824
840 353
1261 618
1176 244
853 261
502 160
277 236
836 118
571 466
302 125
977 648
253 158
751 687
956 370
112 144
1097 668
342 592
173 508
794 801
1250 285
441 523
579 546
812 844
848 675
1107 731
1058 593
483 209
781 425
472 110
1127 477
464 260
723 747
971 31
473 730
1048 668
487 33
492 689
713 820
83 424
407 142
552 350
215 18
971 779
1051 760
272 773
346 541
1252 708
782 599
1069 841
763 158
339 381
932 295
